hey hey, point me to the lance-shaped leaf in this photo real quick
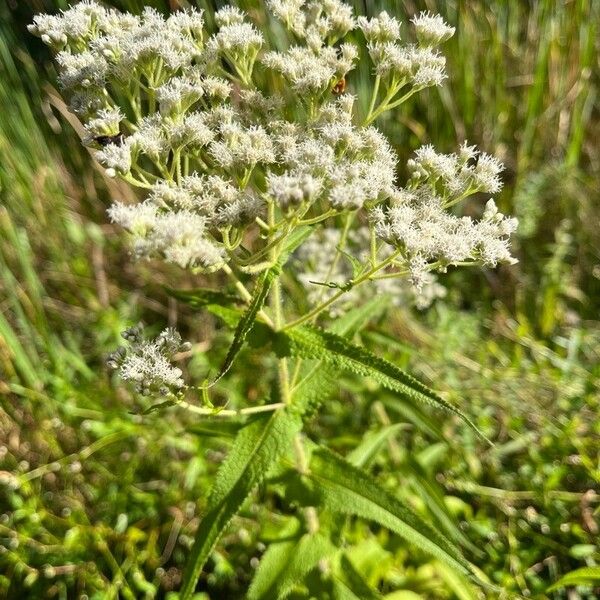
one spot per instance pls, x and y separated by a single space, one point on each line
286 564
261 291
364 453
311 342
341 487
254 450
583 576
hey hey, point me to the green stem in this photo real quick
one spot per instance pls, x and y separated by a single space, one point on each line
341 245
282 364
321 307
212 412
373 97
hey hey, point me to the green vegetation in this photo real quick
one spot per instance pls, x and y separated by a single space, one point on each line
99 500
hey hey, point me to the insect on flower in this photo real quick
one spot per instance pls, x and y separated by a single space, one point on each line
105 140
340 87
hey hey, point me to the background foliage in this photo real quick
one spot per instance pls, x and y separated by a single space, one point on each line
99 501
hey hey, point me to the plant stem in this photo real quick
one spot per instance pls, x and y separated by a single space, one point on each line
373 97
340 247
211 412
321 307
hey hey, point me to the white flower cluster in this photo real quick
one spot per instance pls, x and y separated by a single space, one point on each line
219 150
458 174
420 65
432 238
318 22
100 47
332 161
237 42
310 71
148 363
178 236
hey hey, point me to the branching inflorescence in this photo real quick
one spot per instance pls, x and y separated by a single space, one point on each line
256 162
238 145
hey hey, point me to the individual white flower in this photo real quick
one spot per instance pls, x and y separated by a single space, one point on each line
51 29
139 218
486 174
192 132
151 139
106 123
292 189
117 157
289 12
338 16
179 94
88 103
241 147
380 29
229 15
431 30
236 39
239 212
188 22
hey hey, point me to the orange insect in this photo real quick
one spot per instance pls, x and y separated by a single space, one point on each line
339 87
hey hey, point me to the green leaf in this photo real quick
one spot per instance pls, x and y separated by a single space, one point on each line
350 585
583 576
230 316
362 455
341 487
201 297
254 451
311 342
285 565
261 291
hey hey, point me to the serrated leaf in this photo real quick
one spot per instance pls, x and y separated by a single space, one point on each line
311 342
255 449
341 487
201 297
286 564
583 576
261 291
